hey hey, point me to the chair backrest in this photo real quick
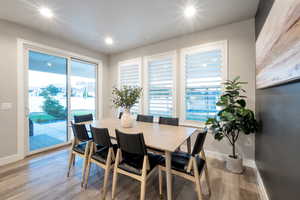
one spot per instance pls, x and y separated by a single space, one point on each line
169 121
131 143
80 132
198 146
120 115
83 118
145 118
101 136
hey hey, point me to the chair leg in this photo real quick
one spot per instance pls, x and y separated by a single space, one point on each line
115 176
143 189
114 185
144 177
106 174
207 179
83 171
197 180
87 174
74 160
71 160
86 157
160 182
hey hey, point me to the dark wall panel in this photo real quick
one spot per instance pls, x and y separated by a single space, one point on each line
277 144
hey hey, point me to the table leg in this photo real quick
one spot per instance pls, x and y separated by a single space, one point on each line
168 175
188 143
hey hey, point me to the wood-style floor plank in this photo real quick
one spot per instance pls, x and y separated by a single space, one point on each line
43 177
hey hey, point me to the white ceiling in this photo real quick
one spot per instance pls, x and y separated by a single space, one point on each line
131 23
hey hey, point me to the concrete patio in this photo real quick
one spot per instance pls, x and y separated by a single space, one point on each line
48 134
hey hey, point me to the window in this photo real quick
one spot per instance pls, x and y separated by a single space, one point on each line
58 85
83 88
129 75
159 85
204 69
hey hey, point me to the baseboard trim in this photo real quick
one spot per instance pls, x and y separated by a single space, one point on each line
262 192
248 163
10 159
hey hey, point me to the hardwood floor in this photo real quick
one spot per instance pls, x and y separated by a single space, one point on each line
44 177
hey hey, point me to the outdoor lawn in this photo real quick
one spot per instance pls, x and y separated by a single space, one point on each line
42 117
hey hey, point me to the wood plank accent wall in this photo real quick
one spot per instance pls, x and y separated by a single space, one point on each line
277 143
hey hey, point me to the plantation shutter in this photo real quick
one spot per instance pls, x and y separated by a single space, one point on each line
130 76
203 77
160 87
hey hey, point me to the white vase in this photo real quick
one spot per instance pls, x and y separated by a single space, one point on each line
126 119
234 165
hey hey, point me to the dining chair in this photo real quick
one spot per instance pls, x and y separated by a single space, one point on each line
169 121
133 160
83 118
80 146
120 115
103 156
189 166
144 118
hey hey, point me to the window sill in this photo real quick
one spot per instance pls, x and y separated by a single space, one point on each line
193 124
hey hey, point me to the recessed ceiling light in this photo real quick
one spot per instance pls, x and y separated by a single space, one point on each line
109 41
190 11
46 12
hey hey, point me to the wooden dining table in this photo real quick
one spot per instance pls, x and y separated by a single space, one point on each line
166 138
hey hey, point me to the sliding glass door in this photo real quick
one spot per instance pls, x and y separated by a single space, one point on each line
47 99
58 88
83 88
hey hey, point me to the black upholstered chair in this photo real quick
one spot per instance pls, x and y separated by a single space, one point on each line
80 146
83 118
120 115
103 155
189 166
144 118
169 121
133 160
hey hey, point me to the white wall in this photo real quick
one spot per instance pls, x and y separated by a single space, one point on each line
241 59
9 32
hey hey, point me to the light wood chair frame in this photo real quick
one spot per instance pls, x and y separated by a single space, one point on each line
143 178
84 156
192 165
108 166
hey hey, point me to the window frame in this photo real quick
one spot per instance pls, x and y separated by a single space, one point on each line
133 61
23 48
223 45
147 59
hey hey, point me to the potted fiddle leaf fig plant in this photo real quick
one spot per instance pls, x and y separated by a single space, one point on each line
125 98
233 119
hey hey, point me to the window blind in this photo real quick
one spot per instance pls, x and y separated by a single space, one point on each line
160 87
203 77
130 76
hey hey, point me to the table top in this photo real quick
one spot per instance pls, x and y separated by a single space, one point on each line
163 137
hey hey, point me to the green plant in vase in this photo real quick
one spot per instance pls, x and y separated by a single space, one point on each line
233 119
126 97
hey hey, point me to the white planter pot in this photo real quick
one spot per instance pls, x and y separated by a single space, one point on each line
126 119
234 165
